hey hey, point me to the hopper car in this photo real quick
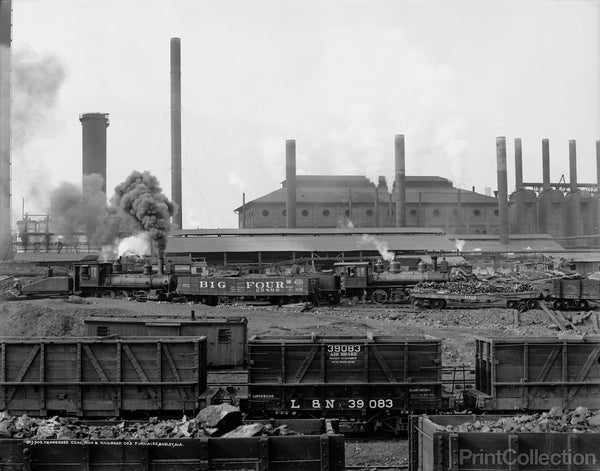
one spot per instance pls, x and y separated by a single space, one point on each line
440 300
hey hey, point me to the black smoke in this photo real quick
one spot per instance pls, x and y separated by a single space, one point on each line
141 202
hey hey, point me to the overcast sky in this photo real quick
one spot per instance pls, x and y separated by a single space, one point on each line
340 77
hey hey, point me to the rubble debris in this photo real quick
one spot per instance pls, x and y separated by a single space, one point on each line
556 420
473 287
25 427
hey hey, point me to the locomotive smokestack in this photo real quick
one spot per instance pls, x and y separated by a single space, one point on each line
502 189
94 144
572 166
161 265
546 164
176 130
5 127
400 181
290 183
518 165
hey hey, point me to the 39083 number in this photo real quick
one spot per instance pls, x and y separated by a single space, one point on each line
343 348
370 404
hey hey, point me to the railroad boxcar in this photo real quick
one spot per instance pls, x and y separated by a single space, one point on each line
572 294
535 373
91 377
370 381
433 448
298 452
226 337
277 289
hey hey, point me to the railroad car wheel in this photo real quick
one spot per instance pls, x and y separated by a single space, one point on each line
511 304
557 305
418 303
123 294
533 304
379 296
438 303
141 296
522 307
398 295
583 305
109 294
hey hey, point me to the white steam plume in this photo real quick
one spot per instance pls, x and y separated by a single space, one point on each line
137 244
381 246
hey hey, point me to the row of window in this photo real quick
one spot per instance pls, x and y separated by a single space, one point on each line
413 212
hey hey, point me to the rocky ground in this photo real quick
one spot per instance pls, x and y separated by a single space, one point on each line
457 327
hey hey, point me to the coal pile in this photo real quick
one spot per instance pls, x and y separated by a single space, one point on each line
473 287
555 421
214 421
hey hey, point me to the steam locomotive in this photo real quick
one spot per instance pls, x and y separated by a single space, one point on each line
105 279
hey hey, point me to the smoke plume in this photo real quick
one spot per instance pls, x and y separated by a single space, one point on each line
141 202
37 79
76 211
137 244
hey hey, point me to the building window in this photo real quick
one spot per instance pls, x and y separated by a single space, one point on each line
265 213
436 212
369 212
413 212
347 212
496 212
224 336
325 212
476 212
304 212
284 213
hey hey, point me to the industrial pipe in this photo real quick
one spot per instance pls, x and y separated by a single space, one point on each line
572 166
518 165
545 164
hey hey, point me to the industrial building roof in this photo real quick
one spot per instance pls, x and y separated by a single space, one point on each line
517 243
358 189
331 240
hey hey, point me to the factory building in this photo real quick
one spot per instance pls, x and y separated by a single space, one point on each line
354 201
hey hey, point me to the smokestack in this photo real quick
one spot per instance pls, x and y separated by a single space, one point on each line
176 130
400 181
290 183
502 189
93 127
546 164
161 265
376 222
572 166
459 223
5 127
518 165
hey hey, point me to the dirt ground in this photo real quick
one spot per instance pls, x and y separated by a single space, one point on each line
457 327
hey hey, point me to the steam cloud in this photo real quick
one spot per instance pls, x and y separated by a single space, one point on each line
381 246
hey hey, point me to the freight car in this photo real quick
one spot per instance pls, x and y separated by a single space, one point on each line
370 382
226 337
440 300
299 452
93 278
276 289
91 377
432 447
535 374
571 294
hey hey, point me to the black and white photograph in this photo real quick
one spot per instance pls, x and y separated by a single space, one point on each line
301 235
